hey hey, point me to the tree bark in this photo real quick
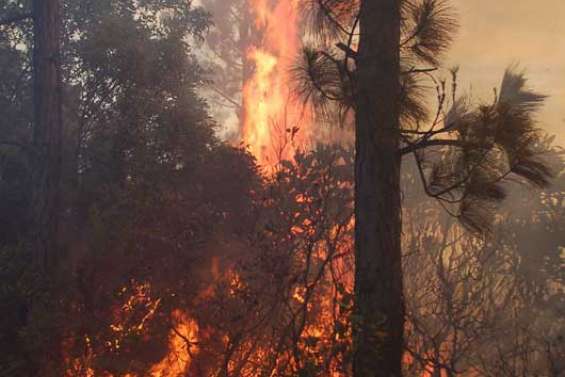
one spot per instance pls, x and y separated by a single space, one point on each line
379 311
47 132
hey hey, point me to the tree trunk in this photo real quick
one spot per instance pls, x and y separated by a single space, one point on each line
379 314
47 133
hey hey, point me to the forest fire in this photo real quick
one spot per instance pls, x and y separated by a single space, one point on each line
350 232
275 122
275 125
183 338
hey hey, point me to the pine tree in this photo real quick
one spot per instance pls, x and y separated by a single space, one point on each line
370 59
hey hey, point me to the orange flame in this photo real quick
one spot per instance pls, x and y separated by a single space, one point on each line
275 123
182 348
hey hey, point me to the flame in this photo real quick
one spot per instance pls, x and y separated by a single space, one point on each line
182 343
275 122
182 348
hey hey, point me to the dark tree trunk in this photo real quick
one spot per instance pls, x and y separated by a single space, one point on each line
47 133
379 320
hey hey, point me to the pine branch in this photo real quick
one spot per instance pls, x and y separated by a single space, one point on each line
419 70
349 52
431 143
330 15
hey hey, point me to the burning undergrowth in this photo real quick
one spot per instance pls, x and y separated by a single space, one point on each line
266 292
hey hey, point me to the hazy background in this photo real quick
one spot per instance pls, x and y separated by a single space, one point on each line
497 33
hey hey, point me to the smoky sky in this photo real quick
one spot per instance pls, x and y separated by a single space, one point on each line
497 33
